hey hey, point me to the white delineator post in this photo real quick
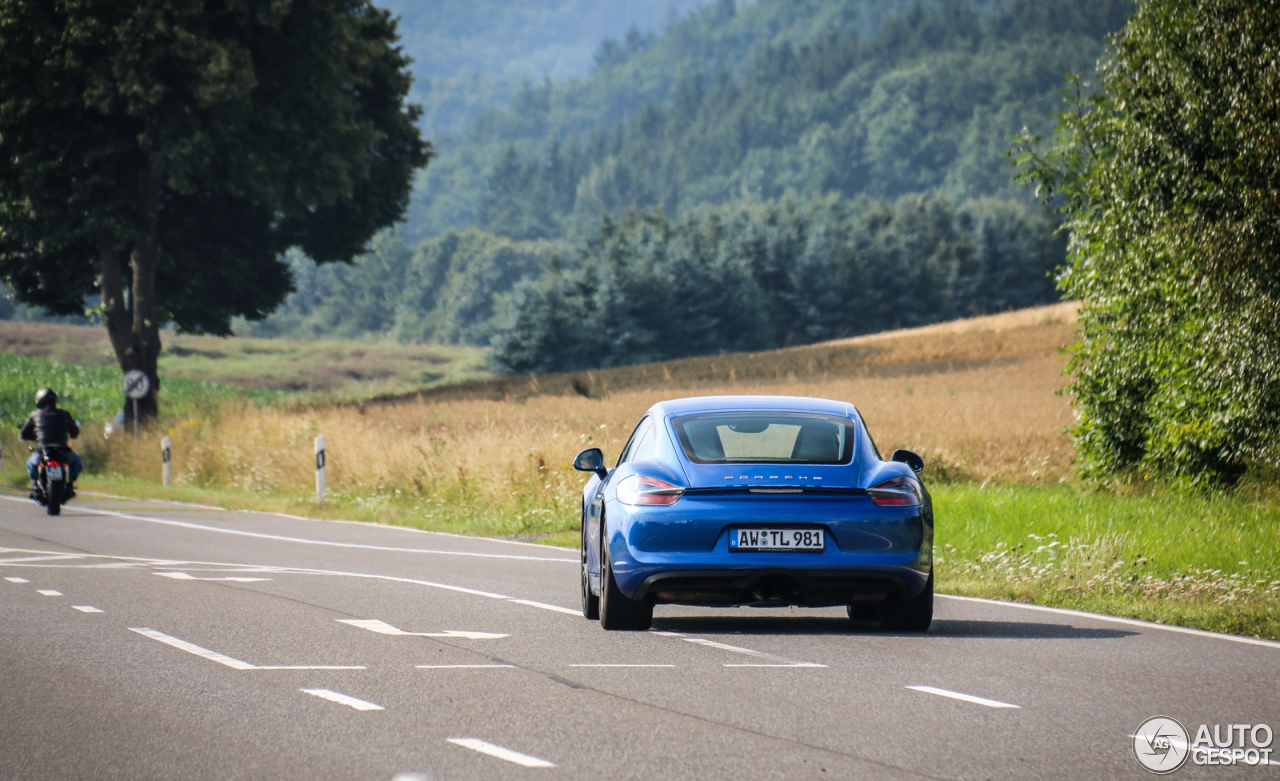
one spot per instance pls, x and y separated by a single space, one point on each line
320 468
168 469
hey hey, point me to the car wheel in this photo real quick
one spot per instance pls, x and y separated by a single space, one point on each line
617 610
590 602
911 615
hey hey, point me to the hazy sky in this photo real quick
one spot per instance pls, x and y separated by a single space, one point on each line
530 38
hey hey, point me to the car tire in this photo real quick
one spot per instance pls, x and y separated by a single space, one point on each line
910 615
617 610
590 602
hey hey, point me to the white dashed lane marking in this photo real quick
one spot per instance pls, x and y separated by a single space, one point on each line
343 699
465 666
48 592
963 697
86 608
17 580
774 661
228 661
185 576
622 665
484 747
383 628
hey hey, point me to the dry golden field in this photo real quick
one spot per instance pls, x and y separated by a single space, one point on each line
977 398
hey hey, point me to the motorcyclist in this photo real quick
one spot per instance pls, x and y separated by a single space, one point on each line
49 425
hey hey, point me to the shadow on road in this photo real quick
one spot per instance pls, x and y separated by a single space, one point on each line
822 625
1023 630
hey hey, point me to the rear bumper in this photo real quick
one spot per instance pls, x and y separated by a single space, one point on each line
780 587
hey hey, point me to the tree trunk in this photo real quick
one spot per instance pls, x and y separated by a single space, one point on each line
134 326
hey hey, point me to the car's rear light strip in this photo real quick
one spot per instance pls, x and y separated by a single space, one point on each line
897 492
648 491
776 490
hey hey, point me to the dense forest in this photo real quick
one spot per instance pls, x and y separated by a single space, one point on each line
773 97
877 103
815 147
755 276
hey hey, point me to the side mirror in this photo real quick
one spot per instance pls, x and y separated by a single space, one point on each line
909 458
591 460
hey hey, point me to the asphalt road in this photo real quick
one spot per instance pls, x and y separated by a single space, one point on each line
154 640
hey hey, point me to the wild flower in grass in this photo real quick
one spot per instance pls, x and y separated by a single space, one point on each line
1100 567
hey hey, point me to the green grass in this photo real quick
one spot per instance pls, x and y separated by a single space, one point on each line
93 394
1209 562
1170 532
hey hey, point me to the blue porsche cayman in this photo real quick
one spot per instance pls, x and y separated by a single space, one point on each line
766 501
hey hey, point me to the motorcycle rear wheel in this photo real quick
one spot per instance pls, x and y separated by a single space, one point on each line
53 498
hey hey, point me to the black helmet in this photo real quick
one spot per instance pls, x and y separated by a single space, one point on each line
45 397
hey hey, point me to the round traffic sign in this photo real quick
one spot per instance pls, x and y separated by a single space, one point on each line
136 384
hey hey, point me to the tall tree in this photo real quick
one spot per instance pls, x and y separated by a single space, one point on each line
1169 176
164 153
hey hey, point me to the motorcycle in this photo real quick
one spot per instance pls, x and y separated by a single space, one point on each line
53 483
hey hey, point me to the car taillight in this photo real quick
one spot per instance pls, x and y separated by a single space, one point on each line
897 492
646 491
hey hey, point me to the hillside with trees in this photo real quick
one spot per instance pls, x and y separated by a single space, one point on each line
875 97
879 104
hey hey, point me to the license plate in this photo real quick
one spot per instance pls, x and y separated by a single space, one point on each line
55 473
776 539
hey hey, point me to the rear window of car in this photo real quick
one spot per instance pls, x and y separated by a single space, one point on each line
765 438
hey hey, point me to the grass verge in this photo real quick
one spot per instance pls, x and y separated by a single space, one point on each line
1209 563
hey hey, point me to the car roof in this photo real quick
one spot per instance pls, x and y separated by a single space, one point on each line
753 403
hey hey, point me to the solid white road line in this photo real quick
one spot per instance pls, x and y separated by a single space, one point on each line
185 576
383 628
32 559
48 592
466 666
304 541
1115 620
86 608
963 697
622 665
342 699
17 580
545 606
310 667
484 747
223 659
